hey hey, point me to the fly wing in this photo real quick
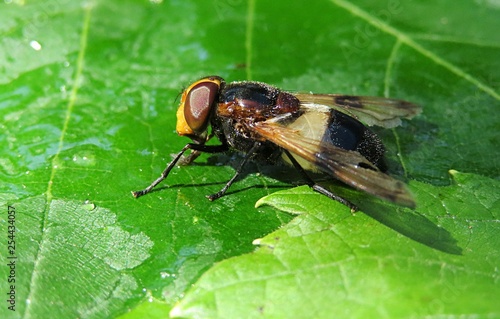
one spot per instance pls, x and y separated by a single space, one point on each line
370 110
348 166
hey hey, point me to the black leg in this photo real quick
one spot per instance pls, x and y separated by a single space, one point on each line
208 148
249 155
320 189
197 149
190 158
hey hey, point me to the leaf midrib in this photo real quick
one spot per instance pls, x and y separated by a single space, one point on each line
410 42
55 159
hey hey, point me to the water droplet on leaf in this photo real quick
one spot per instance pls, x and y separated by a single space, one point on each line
88 205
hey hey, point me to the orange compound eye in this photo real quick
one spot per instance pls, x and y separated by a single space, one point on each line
198 105
197 102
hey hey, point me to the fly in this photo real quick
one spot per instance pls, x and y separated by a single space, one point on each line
312 132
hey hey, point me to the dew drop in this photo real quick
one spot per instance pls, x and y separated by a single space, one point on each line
164 274
84 159
88 205
35 45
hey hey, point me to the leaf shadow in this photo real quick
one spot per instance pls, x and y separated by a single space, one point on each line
228 193
412 225
403 220
279 172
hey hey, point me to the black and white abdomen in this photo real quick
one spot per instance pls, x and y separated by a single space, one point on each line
331 127
350 134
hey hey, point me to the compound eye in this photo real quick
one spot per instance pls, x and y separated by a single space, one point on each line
198 104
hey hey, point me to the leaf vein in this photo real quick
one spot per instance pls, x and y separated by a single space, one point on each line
248 37
54 163
409 41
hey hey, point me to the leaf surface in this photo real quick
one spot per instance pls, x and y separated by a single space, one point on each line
87 112
354 266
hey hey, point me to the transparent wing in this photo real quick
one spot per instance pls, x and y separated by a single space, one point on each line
348 166
370 110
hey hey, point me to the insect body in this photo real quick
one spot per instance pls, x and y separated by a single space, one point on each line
312 132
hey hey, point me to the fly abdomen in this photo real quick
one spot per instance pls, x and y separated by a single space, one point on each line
350 134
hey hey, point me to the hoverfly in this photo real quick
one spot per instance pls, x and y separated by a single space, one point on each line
312 132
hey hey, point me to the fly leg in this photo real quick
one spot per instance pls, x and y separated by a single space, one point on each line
197 149
320 189
248 156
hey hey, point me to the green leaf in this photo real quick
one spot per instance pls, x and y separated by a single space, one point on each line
87 99
80 245
87 110
151 309
353 266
